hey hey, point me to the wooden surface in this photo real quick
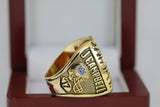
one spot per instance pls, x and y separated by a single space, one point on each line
128 24
137 96
17 34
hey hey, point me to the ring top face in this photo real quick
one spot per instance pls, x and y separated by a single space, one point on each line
80 71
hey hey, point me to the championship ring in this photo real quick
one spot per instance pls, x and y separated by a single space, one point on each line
79 71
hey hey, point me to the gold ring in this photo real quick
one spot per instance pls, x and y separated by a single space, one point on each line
79 71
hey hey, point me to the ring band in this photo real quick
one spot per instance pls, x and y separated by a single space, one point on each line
79 71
